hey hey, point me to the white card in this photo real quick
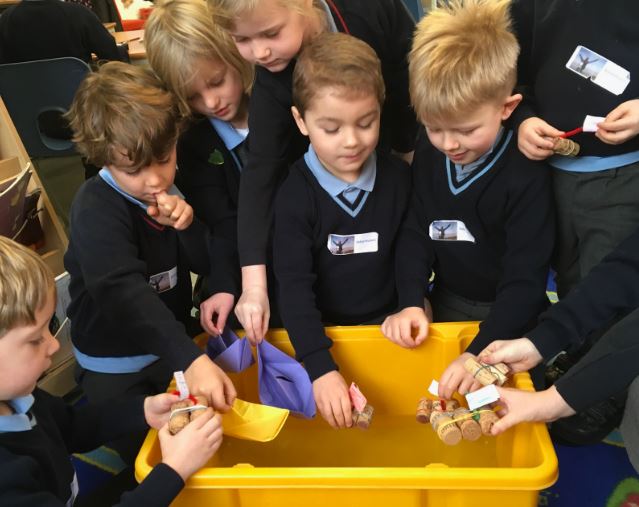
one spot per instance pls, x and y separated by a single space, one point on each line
180 382
449 230
482 397
350 244
599 70
164 281
591 122
434 388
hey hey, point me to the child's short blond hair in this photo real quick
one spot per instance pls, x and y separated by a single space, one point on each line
464 55
180 32
339 61
229 10
124 109
25 283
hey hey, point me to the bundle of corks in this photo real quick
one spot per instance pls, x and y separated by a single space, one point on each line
487 374
452 422
184 411
565 147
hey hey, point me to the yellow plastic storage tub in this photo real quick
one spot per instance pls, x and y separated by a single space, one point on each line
396 463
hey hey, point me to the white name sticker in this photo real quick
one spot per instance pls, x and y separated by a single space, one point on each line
599 70
339 244
434 388
482 397
591 122
180 382
164 281
449 230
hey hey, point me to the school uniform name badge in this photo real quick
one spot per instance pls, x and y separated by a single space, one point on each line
598 69
449 230
350 244
161 282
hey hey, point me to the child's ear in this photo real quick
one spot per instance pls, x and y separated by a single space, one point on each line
510 104
299 120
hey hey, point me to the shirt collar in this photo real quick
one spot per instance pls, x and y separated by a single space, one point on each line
106 175
332 184
229 134
468 168
332 27
21 420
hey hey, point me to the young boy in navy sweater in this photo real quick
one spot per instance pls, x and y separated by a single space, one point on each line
271 34
133 242
38 431
481 216
338 212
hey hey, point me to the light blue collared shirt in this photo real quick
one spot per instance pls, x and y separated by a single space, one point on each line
478 174
21 420
106 175
335 186
332 27
464 171
231 137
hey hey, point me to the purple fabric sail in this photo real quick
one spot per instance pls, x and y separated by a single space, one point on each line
283 382
229 352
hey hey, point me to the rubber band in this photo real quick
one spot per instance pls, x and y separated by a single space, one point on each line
187 409
469 415
491 369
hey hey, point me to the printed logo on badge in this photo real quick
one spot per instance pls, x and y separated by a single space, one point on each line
449 230
164 281
350 244
599 70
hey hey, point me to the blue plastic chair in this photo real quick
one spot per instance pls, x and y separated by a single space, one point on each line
36 88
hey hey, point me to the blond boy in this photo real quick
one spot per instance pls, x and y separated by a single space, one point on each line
133 241
338 212
37 430
481 216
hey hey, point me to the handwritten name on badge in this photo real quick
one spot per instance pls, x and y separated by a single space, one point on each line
339 244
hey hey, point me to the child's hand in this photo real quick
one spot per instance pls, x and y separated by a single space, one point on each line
204 377
253 312
158 408
525 406
621 124
519 355
331 397
456 379
532 138
214 311
171 210
193 447
398 327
